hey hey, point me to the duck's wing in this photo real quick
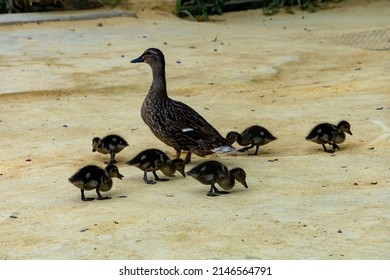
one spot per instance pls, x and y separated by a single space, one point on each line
322 132
192 129
210 171
114 142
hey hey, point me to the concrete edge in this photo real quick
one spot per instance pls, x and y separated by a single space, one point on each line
22 18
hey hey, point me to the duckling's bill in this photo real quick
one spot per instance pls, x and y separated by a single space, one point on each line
137 60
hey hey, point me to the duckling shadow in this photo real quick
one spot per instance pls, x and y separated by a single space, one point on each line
251 153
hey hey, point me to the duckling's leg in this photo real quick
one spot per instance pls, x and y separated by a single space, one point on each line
100 197
257 149
112 159
214 191
149 182
83 198
326 150
158 178
248 148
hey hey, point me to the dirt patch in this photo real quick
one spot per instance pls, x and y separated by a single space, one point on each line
64 83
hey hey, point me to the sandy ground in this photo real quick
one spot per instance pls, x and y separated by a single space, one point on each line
63 83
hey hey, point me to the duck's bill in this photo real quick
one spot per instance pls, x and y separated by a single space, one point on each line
137 60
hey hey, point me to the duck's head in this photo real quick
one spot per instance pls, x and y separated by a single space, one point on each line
240 176
232 136
113 171
344 126
150 56
95 143
179 166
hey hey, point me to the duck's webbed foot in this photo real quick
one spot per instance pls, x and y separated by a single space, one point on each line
145 178
112 159
103 197
83 198
248 148
100 197
158 178
255 153
335 146
326 150
215 192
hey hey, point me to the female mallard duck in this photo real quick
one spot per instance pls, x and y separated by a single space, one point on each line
111 144
93 177
152 160
326 133
252 136
173 122
212 172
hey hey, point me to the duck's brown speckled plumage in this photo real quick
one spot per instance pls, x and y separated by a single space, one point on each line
173 122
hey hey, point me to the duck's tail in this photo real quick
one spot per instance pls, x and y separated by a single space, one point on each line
224 149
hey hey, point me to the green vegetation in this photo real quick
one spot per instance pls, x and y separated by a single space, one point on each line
112 2
201 9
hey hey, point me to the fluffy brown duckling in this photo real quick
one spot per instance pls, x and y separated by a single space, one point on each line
175 123
326 133
213 172
252 136
152 160
93 177
110 144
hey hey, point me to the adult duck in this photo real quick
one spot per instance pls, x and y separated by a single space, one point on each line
173 122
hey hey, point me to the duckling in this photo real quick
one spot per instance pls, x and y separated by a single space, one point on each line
152 160
175 123
326 133
212 172
254 136
93 177
111 144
